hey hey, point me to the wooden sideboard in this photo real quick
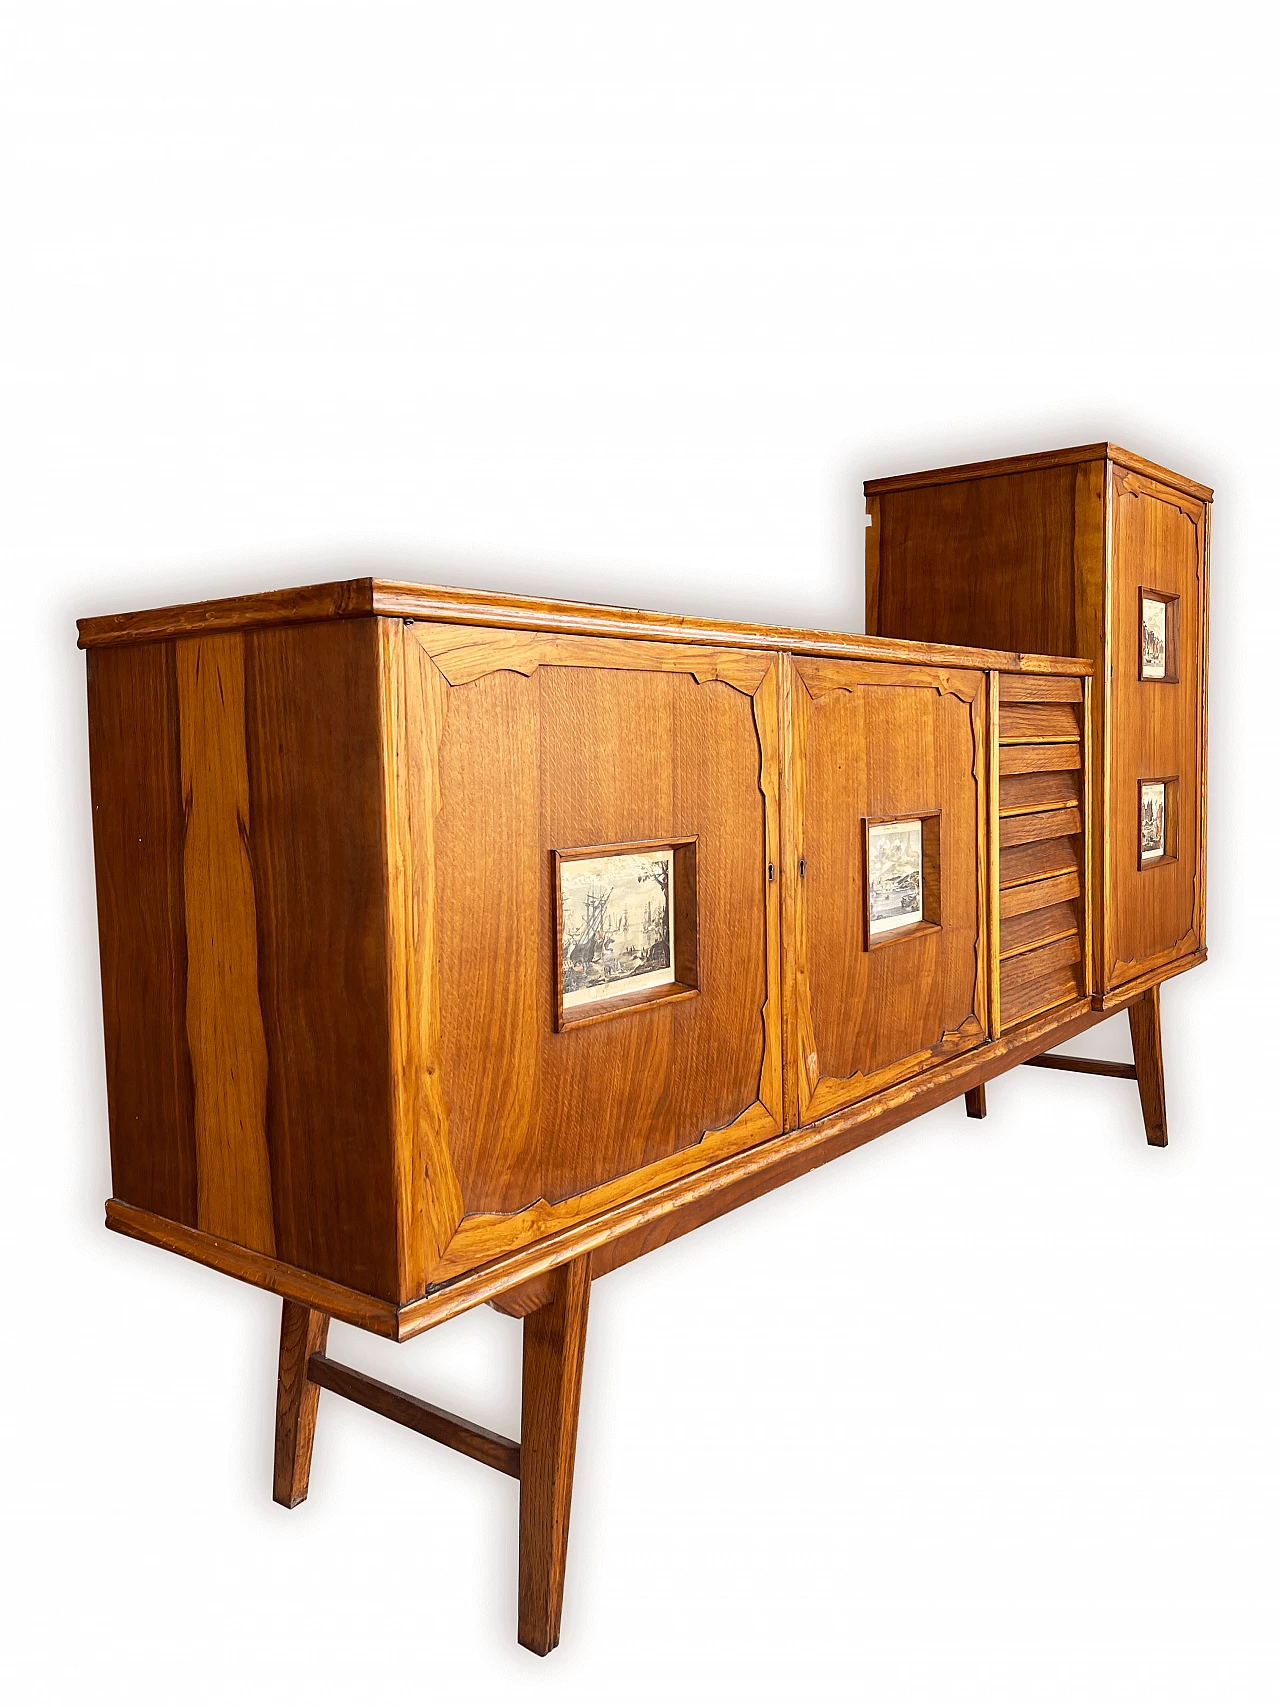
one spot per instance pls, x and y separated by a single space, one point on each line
459 947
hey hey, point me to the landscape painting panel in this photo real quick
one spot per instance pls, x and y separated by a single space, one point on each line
1154 616
895 876
616 927
1153 815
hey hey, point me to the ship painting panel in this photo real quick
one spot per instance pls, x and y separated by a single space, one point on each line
1153 638
895 876
616 935
1152 821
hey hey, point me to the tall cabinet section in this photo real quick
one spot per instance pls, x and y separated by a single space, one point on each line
1090 552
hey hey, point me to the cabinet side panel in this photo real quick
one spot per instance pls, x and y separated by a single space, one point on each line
1153 909
316 845
980 563
138 837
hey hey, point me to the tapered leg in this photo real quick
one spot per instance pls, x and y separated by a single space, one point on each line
554 1339
1144 1028
302 1331
975 1103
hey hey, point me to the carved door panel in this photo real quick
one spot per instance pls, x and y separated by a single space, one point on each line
877 1002
1154 911
526 757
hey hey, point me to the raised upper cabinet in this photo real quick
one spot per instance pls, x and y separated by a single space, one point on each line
1096 553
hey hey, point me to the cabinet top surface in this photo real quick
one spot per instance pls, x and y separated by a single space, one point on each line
412 602
1040 459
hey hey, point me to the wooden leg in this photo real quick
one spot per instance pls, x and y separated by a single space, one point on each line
1144 1029
554 1339
302 1331
975 1103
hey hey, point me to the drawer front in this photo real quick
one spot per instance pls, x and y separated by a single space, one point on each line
1042 807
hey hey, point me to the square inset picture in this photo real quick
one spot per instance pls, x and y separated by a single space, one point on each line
627 926
1157 820
901 875
1157 636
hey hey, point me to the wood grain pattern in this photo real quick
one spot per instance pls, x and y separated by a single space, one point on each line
138 828
1024 722
1017 831
1028 897
1035 462
1034 929
1050 551
317 851
541 1123
224 1017
1038 791
554 1344
302 1332
626 1229
1038 860
865 747
1153 913
1021 760
1148 1061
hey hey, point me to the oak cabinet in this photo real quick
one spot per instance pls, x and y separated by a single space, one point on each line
1056 553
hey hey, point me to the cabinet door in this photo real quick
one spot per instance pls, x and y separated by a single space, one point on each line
1154 759
877 1001
563 793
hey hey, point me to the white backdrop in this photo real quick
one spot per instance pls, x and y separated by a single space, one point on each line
624 304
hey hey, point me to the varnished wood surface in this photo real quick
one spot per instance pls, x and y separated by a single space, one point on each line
1036 461
238 834
1080 1064
407 600
1051 551
642 1223
469 1438
303 1333
1148 1061
554 1345
867 748
975 1103
1153 912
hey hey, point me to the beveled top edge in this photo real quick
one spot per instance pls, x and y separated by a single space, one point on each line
420 603
1041 459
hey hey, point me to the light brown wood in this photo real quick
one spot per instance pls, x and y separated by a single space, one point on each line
554 1344
303 1333
1148 1060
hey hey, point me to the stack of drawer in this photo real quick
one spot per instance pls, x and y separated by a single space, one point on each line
1042 845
